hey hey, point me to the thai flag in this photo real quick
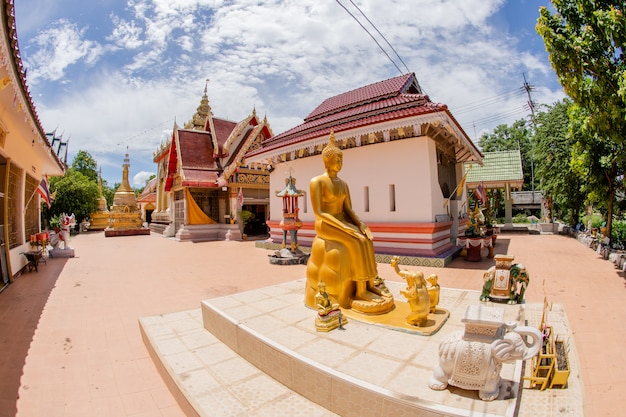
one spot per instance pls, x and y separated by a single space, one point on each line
44 190
481 193
240 197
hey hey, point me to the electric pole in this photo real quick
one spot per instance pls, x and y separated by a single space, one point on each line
531 105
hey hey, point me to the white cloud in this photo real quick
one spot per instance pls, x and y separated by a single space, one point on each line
125 34
60 46
282 57
140 178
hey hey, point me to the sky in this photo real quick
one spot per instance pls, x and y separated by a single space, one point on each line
113 76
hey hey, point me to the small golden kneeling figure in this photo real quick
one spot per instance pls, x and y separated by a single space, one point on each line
416 293
433 291
329 315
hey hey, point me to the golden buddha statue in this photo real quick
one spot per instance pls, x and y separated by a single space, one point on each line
342 253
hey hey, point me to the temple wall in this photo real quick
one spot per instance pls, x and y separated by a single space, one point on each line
408 166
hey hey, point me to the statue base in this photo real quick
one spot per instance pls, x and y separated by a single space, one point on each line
396 319
331 321
287 257
61 253
126 232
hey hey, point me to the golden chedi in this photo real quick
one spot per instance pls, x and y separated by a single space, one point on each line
125 215
342 253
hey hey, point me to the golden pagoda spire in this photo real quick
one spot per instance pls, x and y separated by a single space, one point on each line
125 185
203 111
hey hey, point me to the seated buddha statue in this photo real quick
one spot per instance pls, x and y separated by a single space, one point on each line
342 253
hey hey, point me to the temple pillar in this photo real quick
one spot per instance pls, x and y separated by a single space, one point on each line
221 202
508 213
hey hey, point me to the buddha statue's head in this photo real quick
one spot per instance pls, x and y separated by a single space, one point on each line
332 153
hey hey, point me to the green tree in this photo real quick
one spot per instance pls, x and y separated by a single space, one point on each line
108 193
74 193
585 40
553 155
508 138
599 163
85 164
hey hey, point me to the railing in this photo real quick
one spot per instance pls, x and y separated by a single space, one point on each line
526 197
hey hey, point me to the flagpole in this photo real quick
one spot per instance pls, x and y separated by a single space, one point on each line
461 183
29 200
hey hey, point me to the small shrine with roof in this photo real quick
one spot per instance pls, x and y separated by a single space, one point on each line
202 182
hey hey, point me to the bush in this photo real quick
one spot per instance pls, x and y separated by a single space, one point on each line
618 234
521 218
597 220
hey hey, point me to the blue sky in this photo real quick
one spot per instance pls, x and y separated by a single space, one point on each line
112 76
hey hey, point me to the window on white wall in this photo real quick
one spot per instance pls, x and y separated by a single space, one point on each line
366 199
392 197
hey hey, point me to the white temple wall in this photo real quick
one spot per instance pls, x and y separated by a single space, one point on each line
409 166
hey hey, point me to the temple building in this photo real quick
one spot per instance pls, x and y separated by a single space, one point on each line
27 158
403 160
500 172
147 200
202 181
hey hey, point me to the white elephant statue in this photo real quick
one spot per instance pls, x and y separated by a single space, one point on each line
472 358
66 223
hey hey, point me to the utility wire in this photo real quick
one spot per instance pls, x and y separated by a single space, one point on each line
489 101
381 35
371 36
498 116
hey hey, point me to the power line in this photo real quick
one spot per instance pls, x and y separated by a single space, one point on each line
488 101
382 36
371 36
497 116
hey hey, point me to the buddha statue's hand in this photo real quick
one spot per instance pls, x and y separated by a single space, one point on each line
366 231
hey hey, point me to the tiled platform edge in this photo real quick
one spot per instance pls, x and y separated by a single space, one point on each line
365 370
439 262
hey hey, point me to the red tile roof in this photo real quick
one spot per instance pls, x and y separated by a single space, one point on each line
199 167
362 95
223 129
196 150
396 98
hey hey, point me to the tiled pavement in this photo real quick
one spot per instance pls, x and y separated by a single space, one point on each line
71 344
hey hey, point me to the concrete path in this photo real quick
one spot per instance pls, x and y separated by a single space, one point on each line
71 345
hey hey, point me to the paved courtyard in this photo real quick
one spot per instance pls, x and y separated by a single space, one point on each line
71 344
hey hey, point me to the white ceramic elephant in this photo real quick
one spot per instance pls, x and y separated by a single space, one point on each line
476 364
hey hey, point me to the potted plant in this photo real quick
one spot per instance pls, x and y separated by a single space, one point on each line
245 216
55 223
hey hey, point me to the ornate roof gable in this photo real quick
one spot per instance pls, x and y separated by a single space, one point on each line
249 132
172 160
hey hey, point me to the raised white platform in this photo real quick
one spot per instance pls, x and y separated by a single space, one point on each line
260 355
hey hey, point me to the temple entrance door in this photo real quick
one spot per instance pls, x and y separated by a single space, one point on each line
257 225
